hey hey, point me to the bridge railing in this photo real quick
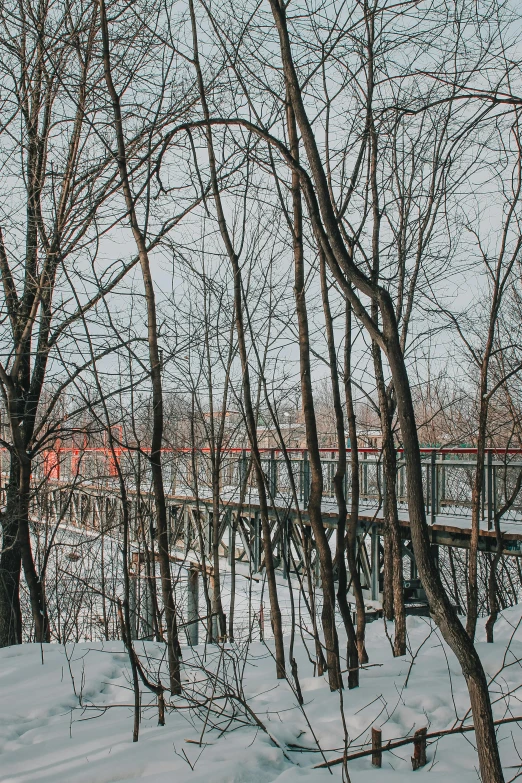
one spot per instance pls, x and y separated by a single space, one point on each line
448 476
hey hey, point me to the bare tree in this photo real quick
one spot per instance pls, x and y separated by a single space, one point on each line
62 180
352 279
139 235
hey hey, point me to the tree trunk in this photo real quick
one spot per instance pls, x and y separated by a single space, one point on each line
216 443
493 596
232 556
351 538
387 591
391 516
339 486
312 442
217 603
34 582
476 498
155 373
351 278
441 609
10 566
390 462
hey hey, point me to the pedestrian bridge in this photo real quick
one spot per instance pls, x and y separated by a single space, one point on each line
78 487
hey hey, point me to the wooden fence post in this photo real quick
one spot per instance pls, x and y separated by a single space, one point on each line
376 747
418 759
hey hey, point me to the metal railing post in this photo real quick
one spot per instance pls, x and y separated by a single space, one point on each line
257 542
489 483
231 537
186 528
133 583
375 563
242 466
348 467
272 474
483 499
209 531
433 486
284 545
306 478
494 474
442 487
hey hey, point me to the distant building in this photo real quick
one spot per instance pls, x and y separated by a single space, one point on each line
234 435
293 435
370 439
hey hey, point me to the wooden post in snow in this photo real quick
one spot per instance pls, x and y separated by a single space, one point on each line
418 759
376 747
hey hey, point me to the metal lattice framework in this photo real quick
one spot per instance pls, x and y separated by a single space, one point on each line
78 487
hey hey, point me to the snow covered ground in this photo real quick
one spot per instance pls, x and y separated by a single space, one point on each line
65 714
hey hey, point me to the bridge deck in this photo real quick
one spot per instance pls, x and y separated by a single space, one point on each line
445 530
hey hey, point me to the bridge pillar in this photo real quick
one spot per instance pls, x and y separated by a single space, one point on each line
213 621
193 606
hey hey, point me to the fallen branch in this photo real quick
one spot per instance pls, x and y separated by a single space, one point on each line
409 740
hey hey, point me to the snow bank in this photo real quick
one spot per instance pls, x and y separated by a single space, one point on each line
65 714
